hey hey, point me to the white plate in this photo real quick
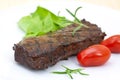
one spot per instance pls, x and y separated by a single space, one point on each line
105 18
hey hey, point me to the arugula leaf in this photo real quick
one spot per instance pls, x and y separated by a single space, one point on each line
41 22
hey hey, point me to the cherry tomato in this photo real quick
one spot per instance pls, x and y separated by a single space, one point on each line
113 43
94 55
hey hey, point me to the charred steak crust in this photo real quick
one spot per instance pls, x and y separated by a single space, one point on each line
44 51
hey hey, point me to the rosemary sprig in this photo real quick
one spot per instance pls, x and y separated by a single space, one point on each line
69 71
76 20
76 29
73 15
77 10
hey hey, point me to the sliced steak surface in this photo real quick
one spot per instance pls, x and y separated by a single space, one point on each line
44 51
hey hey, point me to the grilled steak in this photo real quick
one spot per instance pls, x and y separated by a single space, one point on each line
44 51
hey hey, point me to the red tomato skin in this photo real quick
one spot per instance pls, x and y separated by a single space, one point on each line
94 55
113 43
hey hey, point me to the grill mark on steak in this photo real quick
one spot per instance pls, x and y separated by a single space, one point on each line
44 51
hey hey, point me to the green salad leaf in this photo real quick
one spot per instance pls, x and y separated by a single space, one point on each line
41 22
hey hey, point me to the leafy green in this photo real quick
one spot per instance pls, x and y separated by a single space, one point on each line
41 22
69 71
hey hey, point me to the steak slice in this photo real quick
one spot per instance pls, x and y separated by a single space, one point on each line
44 51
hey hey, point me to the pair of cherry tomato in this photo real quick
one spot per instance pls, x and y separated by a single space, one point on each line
99 54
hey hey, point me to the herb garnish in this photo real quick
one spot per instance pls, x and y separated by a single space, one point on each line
74 15
69 71
76 20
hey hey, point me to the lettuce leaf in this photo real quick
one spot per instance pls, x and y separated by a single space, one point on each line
42 21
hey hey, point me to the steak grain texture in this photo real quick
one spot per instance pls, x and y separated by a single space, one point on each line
44 51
